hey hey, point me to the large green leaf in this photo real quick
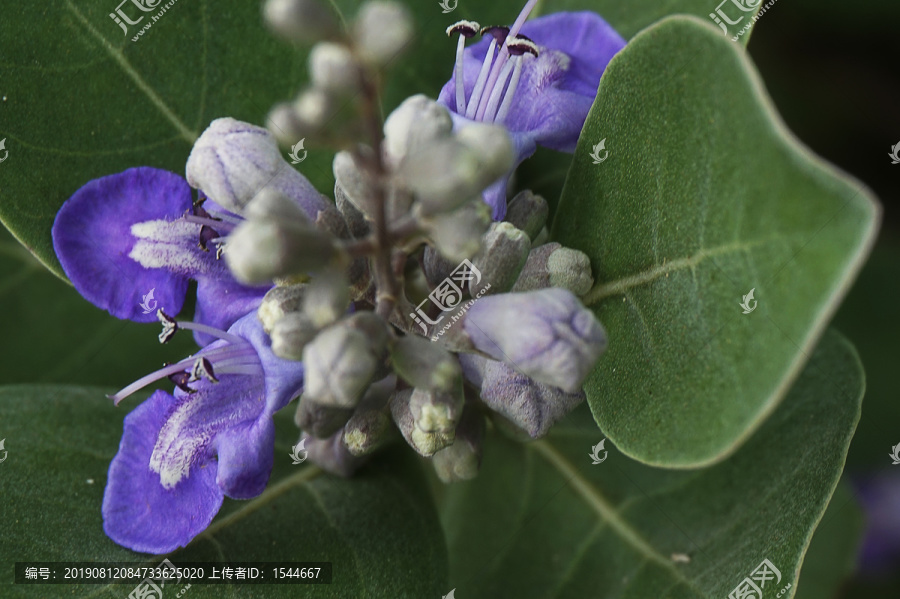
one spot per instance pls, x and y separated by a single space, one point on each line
704 196
54 335
542 521
380 529
81 100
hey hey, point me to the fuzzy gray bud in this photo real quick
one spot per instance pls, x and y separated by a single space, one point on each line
301 21
528 212
327 298
332 455
333 68
417 122
552 265
320 421
461 460
291 334
424 364
339 366
382 30
437 411
370 426
504 251
457 235
424 443
277 302
259 251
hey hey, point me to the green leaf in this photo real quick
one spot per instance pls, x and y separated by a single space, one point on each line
704 196
542 521
832 553
380 529
59 337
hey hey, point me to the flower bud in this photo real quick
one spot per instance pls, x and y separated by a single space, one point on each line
270 204
291 334
503 253
494 147
332 455
259 251
546 334
531 406
444 175
232 162
437 411
320 421
542 238
418 121
552 265
528 212
284 124
356 220
425 365
457 235
461 460
355 184
370 427
382 30
301 21
424 443
277 302
327 298
436 267
339 365
333 68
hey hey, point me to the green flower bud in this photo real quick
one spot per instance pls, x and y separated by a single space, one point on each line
279 301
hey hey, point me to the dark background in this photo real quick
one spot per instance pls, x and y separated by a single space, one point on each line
833 70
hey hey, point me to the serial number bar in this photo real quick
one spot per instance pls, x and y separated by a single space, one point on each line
172 574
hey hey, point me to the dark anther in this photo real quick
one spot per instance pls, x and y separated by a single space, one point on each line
464 28
203 367
521 45
207 234
181 380
169 326
498 32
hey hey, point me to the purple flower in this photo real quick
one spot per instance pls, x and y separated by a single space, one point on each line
538 79
131 242
181 454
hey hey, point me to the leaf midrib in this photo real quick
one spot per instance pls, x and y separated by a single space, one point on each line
607 512
116 54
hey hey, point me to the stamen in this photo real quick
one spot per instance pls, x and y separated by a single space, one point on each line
465 29
196 326
510 91
207 235
170 326
181 380
497 91
504 55
499 34
203 367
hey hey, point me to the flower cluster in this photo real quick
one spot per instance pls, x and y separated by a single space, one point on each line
420 303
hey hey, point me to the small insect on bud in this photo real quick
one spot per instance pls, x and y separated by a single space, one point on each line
552 265
528 212
425 365
334 68
457 235
382 30
291 334
462 460
504 251
301 21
